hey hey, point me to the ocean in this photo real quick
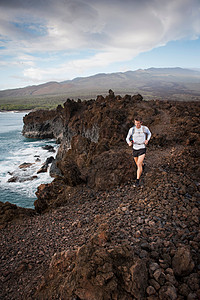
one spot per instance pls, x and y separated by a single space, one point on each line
15 150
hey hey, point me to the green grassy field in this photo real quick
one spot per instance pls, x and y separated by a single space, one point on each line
52 101
46 102
29 103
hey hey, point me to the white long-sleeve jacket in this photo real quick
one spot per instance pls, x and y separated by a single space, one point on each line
138 136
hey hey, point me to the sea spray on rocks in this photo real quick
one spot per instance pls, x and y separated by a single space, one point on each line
20 159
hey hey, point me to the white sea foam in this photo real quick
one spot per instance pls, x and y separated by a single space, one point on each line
27 188
10 168
16 150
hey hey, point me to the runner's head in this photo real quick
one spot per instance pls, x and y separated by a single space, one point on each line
138 122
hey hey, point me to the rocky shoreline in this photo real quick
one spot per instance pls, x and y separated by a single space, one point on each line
93 235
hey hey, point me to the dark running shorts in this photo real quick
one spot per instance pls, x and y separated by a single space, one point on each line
139 152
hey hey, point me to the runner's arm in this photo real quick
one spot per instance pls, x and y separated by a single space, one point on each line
148 132
128 137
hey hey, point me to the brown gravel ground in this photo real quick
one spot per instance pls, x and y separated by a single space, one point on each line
154 219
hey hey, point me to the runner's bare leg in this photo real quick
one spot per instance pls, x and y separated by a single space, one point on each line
139 162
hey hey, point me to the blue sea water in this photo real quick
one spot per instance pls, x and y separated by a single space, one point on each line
15 150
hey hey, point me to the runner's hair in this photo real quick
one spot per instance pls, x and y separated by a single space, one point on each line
138 119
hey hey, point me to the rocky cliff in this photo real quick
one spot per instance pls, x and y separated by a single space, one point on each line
92 135
94 235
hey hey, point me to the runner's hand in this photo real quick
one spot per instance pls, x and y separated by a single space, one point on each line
130 144
146 142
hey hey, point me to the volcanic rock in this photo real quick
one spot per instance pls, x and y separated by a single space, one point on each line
49 148
47 194
54 171
11 212
97 236
28 178
25 165
45 166
43 169
44 124
95 271
70 171
13 179
168 292
92 136
182 262
22 179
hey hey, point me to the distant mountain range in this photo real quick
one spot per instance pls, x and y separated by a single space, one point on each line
165 83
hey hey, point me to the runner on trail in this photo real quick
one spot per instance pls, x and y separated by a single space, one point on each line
138 137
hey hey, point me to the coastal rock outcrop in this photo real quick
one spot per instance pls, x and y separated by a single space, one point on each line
92 135
10 212
25 165
95 271
45 166
42 124
49 148
93 235
22 179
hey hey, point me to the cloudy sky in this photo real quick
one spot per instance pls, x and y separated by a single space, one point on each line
48 40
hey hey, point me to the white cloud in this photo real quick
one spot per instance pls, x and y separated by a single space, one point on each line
99 24
116 30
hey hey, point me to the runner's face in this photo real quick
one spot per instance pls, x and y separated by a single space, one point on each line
138 124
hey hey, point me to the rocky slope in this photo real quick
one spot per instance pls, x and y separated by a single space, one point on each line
92 136
93 235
